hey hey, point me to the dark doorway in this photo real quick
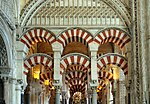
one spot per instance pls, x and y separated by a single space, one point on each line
2 92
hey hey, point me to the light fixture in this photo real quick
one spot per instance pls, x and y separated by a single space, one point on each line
46 82
99 87
116 73
36 74
53 88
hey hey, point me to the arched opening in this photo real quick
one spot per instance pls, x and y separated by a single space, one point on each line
75 47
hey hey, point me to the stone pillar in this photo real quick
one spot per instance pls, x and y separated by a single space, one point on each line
27 95
64 100
115 92
57 56
46 100
128 80
94 75
18 93
12 91
57 76
57 98
93 50
94 95
36 96
19 61
6 91
143 49
89 97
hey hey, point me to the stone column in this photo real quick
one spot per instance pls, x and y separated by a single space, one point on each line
94 75
57 56
27 95
89 97
143 49
19 62
6 91
12 91
64 92
64 100
94 95
57 98
36 96
57 76
18 93
46 100
93 50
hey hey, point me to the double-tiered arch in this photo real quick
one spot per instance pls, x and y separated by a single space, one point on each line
113 59
74 58
38 59
75 66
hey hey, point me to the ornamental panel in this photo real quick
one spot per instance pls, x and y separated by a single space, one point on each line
3 54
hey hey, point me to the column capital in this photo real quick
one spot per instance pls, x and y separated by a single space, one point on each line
57 47
5 71
12 80
56 83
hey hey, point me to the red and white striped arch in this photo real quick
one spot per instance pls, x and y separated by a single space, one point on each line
78 88
114 59
77 68
102 83
73 82
75 35
74 59
46 76
36 35
75 75
116 36
105 74
36 59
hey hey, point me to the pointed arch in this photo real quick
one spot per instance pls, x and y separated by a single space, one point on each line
35 35
75 35
36 59
114 35
74 58
114 59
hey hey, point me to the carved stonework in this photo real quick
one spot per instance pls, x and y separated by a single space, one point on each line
7 6
3 54
136 54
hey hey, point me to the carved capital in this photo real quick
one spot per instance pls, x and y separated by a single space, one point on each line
12 80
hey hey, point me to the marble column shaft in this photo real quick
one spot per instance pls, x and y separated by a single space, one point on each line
18 94
6 91
57 98
94 96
